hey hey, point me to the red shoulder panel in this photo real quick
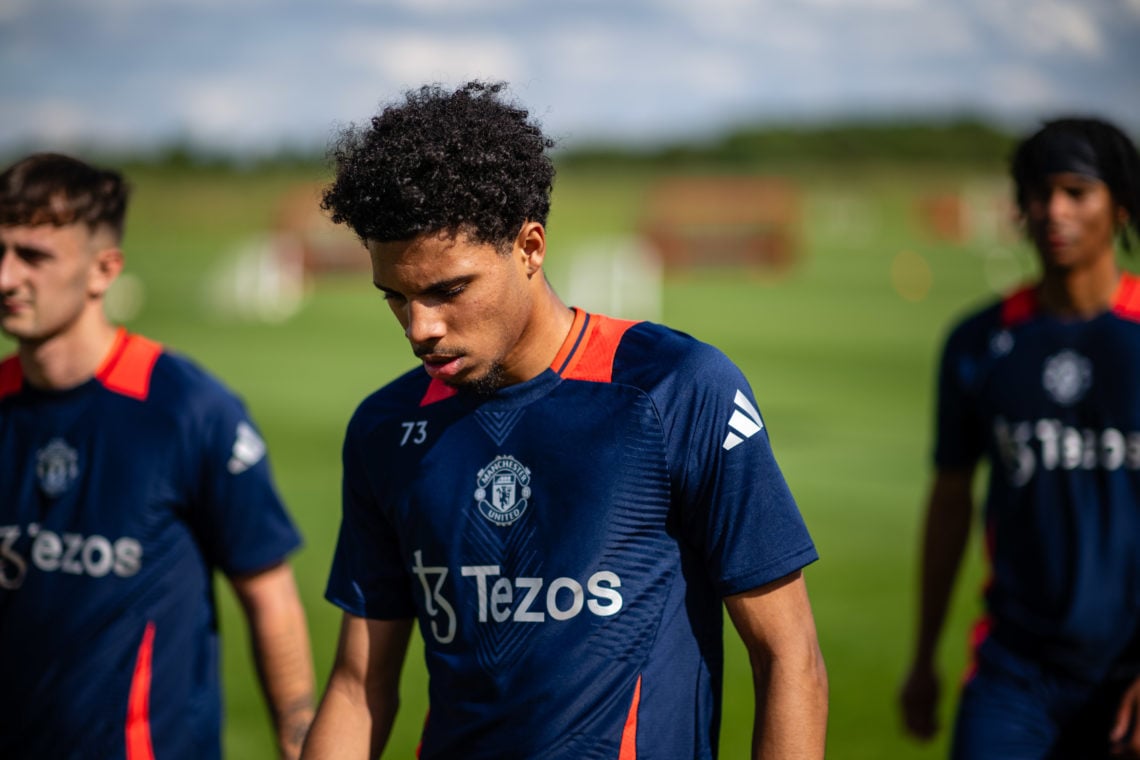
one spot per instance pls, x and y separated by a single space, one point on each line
1126 302
592 354
128 366
1019 306
11 376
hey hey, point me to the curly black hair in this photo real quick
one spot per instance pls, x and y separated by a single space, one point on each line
441 161
1117 163
54 189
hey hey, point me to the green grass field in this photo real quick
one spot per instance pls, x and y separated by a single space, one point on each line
840 363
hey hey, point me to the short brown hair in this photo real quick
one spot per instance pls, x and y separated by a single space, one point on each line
51 188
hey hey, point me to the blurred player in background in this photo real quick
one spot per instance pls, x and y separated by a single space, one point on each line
1046 385
128 476
562 500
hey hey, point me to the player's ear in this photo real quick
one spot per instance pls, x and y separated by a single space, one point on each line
530 244
105 268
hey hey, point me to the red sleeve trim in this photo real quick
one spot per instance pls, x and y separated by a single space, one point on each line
129 364
588 352
139 744
1126 302
1019 306
11 376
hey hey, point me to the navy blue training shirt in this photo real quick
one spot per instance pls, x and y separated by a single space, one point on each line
1054 405
118 498
566 543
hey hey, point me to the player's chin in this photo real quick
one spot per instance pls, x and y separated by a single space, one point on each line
481 383
12 327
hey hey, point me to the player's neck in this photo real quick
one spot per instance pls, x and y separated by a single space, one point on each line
1080 292
549 325
70 358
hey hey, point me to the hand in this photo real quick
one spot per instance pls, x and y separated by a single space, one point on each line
1125 735
919 702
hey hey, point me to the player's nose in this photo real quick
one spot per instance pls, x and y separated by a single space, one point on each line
423 323
8 271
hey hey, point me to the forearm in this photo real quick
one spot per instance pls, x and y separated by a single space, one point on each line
945 536
284 666
347 726
359 707
791 706
788 673
280 641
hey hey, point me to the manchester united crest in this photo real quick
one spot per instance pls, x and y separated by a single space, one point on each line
57 466
1067 376
503 489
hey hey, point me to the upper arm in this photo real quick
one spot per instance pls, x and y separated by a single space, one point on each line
775 619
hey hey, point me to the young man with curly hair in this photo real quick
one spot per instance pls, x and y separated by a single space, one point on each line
565 502
129 475
1045 384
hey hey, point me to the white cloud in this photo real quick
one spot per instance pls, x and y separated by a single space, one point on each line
443 7
856 6
1022 87
13 10
415 57
1047 26
60 124
48 120
135 7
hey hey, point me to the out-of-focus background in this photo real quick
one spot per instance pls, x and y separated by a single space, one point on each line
817 188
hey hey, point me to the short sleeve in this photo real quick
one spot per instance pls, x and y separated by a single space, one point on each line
959 440
368 577
239 516
738 511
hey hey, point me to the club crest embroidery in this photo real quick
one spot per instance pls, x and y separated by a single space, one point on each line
1067 376
503 490
57 466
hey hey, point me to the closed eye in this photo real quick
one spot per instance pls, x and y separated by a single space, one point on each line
446 294
32 256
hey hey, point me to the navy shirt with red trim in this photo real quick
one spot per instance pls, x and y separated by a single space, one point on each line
118 498
566 543
1054 405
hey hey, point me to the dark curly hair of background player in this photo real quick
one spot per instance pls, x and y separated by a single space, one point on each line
463 161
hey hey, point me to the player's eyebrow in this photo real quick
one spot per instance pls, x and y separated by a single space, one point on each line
435 288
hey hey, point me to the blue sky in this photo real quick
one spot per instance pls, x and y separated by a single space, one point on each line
254 75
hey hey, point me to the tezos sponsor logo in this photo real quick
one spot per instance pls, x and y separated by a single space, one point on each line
57 467
503 490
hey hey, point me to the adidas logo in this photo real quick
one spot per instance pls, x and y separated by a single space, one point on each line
248 449
744 423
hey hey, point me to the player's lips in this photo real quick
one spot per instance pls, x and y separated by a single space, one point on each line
12 306
1056 242
442 366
